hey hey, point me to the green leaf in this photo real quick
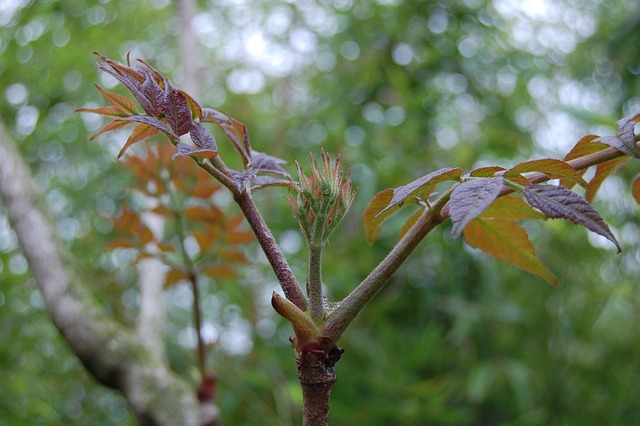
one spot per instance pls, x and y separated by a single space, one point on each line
471 198
554 169
506 240
559 202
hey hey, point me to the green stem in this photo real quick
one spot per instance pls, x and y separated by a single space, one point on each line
314 283
316 242
350 307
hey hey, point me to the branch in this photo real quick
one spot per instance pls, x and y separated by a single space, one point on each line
579 163
351 306
112 353
288 281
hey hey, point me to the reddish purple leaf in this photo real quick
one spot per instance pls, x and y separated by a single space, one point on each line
233 129
421 187
264 163
177 112
559 202
471 198
152 121
202 141
132 79
625 139
259 182
155 94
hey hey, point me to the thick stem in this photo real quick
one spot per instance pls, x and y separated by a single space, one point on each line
316 378
279 264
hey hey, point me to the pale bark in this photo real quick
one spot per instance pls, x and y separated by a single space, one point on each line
189 56
151 273
114 354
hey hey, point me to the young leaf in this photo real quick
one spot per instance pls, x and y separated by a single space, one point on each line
421 188
200 140
389 201
603 170
511 208
489 171
625 139
373 216
492 171
132 79
177 112
155 94
471 198
559 202
585 146
635 189
140 132
553 168
111 126
264 163
233 129
120 106
507 241
152 121
259 182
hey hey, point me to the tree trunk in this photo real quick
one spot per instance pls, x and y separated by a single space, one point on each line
116 356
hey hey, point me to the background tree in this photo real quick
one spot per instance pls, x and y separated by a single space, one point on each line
485 351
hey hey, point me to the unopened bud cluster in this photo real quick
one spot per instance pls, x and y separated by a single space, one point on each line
322 200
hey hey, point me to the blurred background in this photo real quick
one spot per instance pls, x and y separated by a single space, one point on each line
398 89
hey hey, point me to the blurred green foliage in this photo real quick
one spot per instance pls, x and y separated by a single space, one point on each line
398 89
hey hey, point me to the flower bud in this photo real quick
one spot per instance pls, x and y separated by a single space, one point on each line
322 199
